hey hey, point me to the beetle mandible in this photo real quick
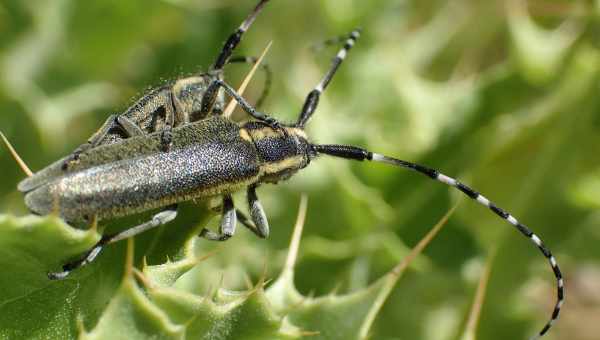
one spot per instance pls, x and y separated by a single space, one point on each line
209 157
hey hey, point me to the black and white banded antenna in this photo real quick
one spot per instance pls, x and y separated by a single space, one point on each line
312 100
356 153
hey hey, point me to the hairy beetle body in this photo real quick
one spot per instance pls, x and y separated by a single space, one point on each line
208 158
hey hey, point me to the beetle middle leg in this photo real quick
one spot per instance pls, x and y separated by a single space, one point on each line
157 220
147 113
139 119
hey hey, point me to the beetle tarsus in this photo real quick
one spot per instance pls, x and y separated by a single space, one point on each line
70 266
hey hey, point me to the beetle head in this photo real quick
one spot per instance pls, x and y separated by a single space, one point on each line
282 151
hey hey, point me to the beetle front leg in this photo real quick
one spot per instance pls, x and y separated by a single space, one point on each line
257 213
262 231
272 122
258 222
228 222
159 219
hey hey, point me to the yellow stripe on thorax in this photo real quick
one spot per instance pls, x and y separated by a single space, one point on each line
294 162
268 132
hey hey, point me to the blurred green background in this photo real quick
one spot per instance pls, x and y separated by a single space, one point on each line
501 94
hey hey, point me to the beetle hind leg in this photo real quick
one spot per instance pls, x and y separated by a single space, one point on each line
159 219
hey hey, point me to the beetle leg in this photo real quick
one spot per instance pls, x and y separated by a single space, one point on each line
228 222
248 223
153 105
146 114
268 76
208 100
103 131
257 213
245 221
159 219
258 222
272 122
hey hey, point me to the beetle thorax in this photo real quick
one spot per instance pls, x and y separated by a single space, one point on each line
282 151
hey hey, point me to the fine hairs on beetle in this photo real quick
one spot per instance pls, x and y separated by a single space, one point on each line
175 145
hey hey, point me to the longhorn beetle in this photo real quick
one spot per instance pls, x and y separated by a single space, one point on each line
210 157
175 103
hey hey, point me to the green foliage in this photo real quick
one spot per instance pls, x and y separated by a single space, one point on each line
157 310
502 95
